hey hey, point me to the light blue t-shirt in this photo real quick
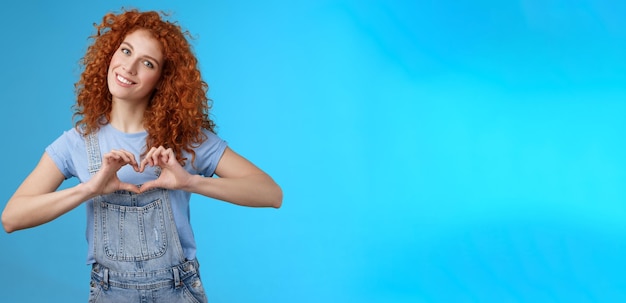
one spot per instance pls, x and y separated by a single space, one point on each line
70 155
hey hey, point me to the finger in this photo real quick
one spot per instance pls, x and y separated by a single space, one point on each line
110 159
129 187
170 155
122 156
147 160
165 156
156 156
148 186
132 162
128 156
111 156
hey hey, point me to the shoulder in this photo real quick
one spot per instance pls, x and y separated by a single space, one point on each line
209 152
213 142
65 150
68 140
211 136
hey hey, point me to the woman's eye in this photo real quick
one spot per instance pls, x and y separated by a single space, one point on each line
125 51
148 64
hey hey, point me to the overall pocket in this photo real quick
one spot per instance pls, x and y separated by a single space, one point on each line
94 291
194 290
133 233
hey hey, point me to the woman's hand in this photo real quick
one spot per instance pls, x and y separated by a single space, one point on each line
105 181
173 175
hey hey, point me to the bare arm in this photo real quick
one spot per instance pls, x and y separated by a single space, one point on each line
36 201
240 182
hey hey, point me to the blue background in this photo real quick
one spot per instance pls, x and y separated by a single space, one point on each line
429 151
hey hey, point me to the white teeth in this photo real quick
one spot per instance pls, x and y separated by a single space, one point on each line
124 80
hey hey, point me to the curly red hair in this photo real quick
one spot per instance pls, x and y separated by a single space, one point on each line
179 108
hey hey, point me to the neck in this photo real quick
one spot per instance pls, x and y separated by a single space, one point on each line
128 117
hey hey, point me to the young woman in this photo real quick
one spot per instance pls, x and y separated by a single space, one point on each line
143 142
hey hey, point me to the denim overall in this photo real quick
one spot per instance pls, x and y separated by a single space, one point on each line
136 247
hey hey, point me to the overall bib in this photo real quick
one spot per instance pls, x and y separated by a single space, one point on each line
138 254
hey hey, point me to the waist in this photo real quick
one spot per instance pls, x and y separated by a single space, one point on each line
149 279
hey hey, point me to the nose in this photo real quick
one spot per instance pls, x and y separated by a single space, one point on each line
130 68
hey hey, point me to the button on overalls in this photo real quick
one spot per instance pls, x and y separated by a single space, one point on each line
138 254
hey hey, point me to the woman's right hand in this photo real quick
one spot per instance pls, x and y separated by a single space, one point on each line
105 181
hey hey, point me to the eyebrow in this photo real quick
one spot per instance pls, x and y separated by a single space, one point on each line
147 56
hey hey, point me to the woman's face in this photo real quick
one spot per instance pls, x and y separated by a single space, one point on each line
135 68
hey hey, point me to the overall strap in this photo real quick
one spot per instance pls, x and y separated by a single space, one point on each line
93 153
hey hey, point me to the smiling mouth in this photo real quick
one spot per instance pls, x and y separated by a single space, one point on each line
124 80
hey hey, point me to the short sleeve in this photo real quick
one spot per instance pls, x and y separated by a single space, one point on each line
61 152
209 153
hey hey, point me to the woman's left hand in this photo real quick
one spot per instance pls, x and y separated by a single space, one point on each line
173 175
